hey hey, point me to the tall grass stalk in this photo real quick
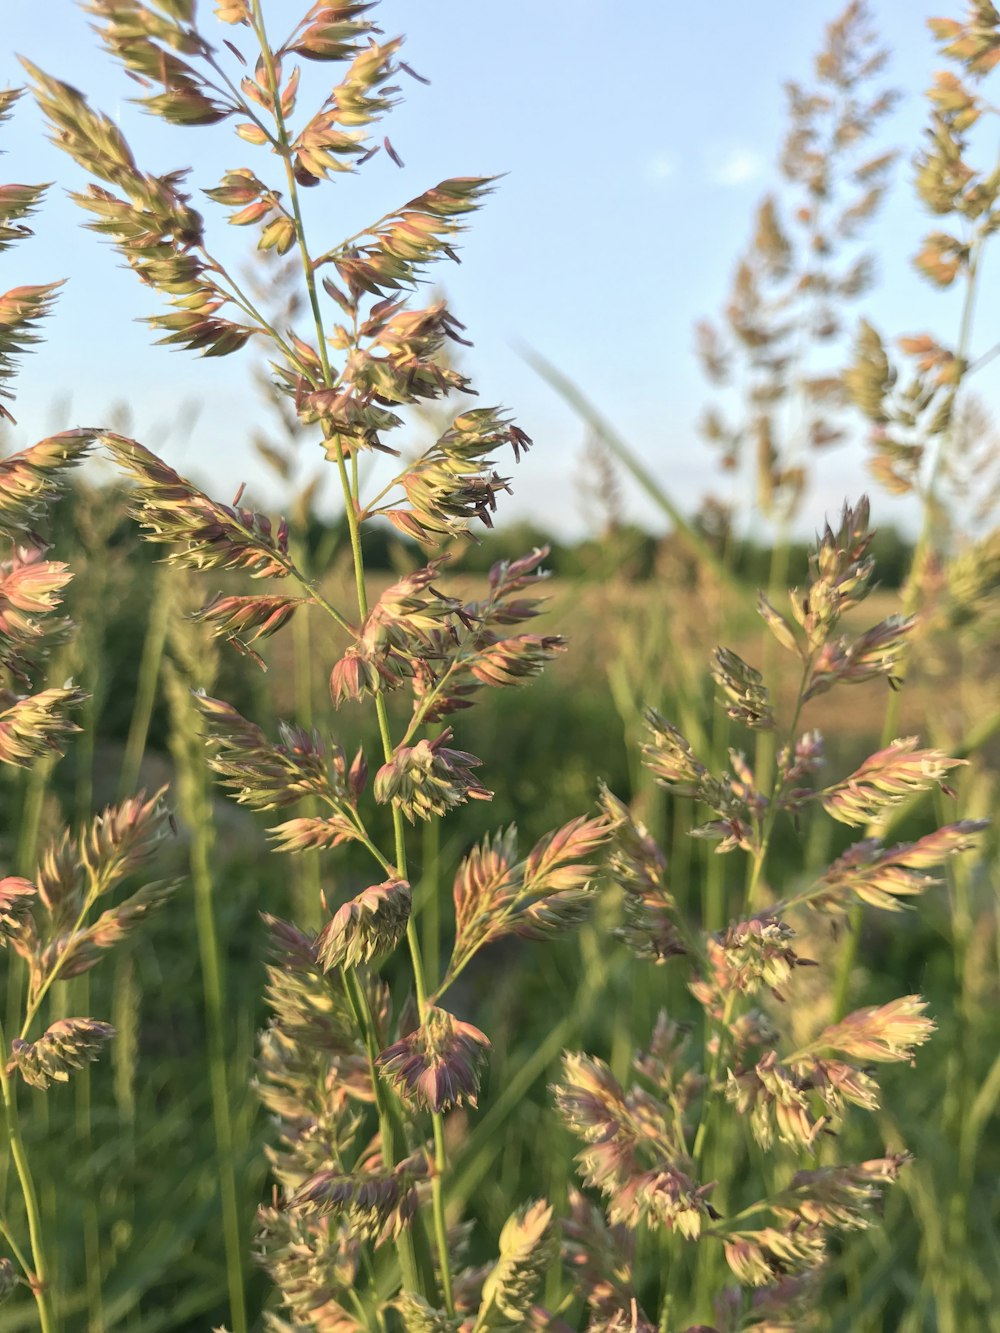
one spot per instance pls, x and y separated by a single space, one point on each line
351 503
39 1266
192 653
150 665
306 870
95 588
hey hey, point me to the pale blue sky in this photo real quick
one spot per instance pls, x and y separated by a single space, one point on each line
636 138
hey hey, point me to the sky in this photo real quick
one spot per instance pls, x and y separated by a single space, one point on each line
636 140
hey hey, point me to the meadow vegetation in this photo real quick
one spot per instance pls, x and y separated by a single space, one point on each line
397 938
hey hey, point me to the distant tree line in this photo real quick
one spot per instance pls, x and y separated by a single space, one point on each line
631 552
625 550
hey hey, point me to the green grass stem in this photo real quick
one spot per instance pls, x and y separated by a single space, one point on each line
39 1276
150 665
196 809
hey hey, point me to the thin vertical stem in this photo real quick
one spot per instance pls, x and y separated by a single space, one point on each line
415 1266
308 885
150 664
88 651
430 900
195 803
27 854
211 967
15 1249
40 1277
709 1103
777 581
92 1247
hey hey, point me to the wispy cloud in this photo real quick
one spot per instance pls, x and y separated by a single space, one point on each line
660 166
735 165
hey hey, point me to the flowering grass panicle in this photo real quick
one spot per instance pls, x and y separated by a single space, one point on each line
350 371
802 266
47 912
648 1146
718 1177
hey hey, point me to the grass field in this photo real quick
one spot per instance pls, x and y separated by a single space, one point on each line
456 950
156 1234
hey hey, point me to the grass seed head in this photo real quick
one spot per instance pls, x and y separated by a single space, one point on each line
367 928
437 1066
66 1045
